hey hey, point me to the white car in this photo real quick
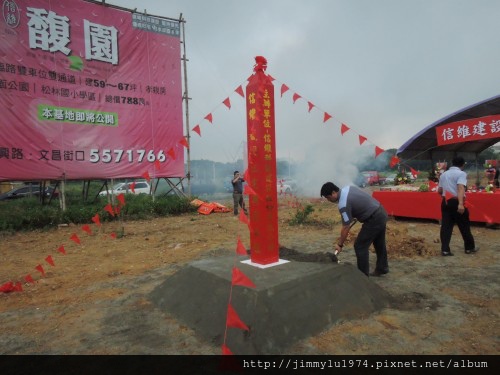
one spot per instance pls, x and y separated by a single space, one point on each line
140 187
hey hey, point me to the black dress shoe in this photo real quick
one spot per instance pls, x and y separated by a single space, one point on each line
378 273
446 253
472 251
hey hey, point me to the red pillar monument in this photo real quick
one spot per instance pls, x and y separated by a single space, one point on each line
261 144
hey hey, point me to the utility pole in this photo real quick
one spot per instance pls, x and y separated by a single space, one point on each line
186 99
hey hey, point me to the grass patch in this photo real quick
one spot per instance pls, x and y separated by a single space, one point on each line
28 214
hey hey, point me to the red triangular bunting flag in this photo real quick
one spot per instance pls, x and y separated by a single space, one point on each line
225 350
296 97
239 278
239 90
209 118
50 261
109 208
247 190
113 235
326 117
121 198
344 128
197 129
284 88
146 176
243 217
7 287
183 142
233 320
87 229
61 250
75 238
311 106
378 151
157 165
96 220
171 153
227 103
132 186
448 195
18 287
271 77
362 140
40 269
394 160
29 279
414 172
240 248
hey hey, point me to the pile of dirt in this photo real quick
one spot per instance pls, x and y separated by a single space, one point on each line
402 245
297 256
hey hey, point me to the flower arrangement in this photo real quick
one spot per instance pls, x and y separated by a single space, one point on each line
401 179
490 188
423 188
433 175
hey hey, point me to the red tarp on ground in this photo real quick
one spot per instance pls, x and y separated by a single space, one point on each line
206 208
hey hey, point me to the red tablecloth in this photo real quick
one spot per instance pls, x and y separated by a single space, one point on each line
483 207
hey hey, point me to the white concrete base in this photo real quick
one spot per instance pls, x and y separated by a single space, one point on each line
263 266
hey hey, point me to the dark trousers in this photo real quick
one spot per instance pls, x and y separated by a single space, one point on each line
450 217
238 201
372 232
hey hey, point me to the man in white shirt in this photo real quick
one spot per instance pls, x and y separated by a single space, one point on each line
451 187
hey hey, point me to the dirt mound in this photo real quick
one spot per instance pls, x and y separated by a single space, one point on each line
401 244
291 254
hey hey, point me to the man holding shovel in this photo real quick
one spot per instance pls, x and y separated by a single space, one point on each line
355 204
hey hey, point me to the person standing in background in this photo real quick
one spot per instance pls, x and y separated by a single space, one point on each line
451 187
238 193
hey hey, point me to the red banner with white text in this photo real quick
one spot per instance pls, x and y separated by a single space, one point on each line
469 130
88 91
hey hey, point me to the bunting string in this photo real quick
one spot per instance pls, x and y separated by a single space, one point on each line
238 277
284 89
112 210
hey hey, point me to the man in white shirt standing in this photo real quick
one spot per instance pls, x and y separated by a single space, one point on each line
451 187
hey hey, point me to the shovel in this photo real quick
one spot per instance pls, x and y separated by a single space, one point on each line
333 256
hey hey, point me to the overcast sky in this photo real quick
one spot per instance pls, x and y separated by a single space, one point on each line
385 68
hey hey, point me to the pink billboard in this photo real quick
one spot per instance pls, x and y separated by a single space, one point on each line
88 91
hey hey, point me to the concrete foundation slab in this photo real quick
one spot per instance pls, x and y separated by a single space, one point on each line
291 302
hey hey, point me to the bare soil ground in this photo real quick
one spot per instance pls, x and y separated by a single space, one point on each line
95 299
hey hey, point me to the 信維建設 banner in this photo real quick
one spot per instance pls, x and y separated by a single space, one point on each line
88 91
468 130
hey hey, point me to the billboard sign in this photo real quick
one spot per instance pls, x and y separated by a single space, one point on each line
88 91
468 130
